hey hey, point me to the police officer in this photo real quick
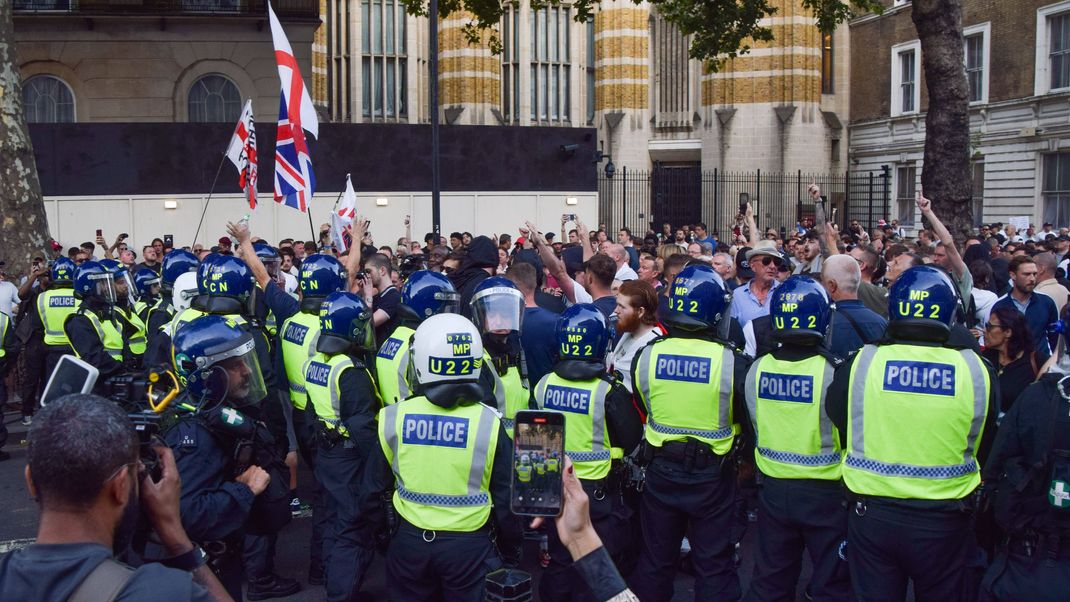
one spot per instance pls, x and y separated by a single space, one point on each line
231 476
451 461
918 414
691 384
53 306
342 393
797 450
8 346
1028 477
498 312
158 315
269 257
147 285
425 294
602 425
96 331
124 307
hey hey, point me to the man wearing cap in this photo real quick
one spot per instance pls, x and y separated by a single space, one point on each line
752 300
225 245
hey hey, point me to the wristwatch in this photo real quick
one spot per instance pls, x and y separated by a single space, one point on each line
192 560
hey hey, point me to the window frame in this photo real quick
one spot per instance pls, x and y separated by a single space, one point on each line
1042 62
1046 193
67 86
227 119
377 54
897 80
553 66
908 200
985 31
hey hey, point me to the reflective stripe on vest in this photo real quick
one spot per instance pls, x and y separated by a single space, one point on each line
586 437
392 366
786 401
510 394
5 322
677 403
297 339
162 304
322 375
441 463
110 336
53 307
186 315
929 382
137 342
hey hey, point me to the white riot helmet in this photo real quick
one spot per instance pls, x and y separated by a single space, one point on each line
446 349
185 289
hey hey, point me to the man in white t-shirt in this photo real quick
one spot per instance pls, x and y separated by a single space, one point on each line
637 325
9 294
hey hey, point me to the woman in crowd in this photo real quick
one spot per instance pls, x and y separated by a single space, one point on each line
1009 347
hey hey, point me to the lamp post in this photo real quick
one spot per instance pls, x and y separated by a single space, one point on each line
436 184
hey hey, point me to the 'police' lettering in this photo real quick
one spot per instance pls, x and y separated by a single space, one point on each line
295 333
61 301
919 377
428 429
317 373
389 348
798 388
683 368
566 399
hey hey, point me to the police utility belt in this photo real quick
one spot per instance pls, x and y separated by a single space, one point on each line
330 433
692 454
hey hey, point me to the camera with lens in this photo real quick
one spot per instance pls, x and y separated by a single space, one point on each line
144 396
409 265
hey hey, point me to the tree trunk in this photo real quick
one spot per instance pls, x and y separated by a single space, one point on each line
23 225
946 172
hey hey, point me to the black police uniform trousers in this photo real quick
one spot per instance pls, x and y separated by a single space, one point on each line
793 515
439 565
698 502
304 423
338 470
891 542
1029 573
610 517
36 368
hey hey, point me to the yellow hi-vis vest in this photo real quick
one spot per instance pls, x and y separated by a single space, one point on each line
686 386
137 341
914 417
442 461
322 377
786 400
5 323
511 394
53 306
299 335
586 436
161 304
392 366
110 334
181 318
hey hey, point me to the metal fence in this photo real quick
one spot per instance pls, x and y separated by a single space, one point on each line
643 200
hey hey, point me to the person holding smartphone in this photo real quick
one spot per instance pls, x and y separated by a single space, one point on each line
449 460
602 425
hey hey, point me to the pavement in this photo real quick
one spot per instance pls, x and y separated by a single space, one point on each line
20 525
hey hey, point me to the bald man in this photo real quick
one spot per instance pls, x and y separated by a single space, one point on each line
853 324
617 253
1046 282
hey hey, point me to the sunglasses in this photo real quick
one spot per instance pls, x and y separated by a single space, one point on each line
766 260
992 325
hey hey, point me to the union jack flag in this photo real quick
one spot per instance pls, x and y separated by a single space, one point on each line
295 182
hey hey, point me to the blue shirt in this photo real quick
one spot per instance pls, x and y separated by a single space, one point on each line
538 339
846 338
1039 311
745 306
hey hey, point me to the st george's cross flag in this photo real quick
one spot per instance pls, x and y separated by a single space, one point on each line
295 183
242 153
345 211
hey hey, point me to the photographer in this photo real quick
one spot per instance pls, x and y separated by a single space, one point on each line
83 461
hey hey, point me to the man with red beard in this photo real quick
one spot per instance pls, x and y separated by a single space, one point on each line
637 325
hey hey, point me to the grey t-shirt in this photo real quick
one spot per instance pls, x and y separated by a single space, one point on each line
54 572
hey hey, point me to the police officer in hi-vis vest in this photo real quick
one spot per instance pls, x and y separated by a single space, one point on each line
919 415
425 294
53 307
147 287
498 311
798 451
159 314
343 397
691 384
602 425
125 298
450 461
96 332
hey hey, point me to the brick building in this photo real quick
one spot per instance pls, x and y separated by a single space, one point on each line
1017 60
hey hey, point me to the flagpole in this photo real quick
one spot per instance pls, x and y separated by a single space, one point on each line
210 191
436 210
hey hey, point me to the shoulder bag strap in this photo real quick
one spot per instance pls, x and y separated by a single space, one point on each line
104 583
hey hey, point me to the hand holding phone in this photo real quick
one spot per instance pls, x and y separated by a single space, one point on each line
538 461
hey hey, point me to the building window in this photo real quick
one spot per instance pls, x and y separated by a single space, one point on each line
550 64
827 75
1052 66
511 63
384 61
905 179
47 99
905 78
977 61
340 78
590 72
1056 190
213 99
671 75
978 193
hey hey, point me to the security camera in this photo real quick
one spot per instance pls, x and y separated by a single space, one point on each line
569 149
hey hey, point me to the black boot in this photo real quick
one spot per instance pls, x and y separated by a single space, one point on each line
272 586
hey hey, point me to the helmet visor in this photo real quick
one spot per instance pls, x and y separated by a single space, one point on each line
124 289
498 310
104 287
450 302
244 381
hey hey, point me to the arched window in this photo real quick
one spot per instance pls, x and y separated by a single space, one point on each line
214 98
47 99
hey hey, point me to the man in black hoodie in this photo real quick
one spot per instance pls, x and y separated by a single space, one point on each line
476 267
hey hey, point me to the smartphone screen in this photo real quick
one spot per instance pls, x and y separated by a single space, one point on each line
168 240
538 459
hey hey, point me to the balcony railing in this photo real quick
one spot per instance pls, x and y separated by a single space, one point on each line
283 8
